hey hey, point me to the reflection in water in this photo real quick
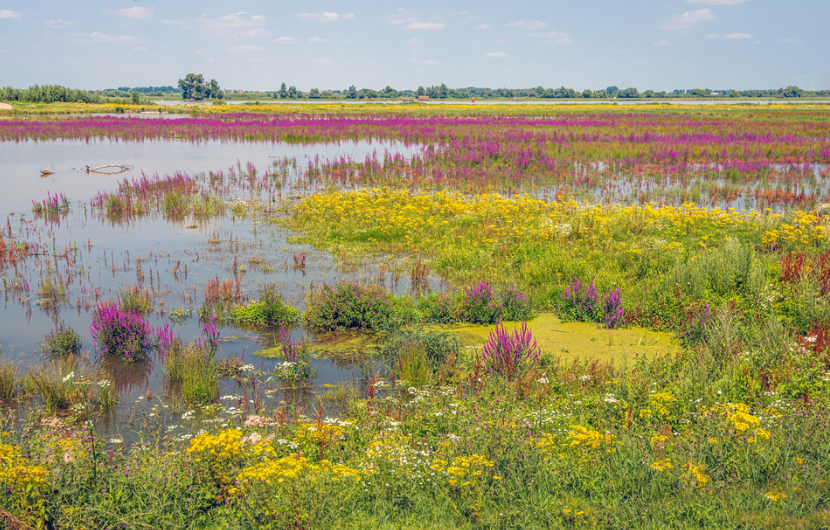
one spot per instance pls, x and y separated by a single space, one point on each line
126 376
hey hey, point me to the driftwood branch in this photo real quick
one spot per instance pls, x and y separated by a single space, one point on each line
122 169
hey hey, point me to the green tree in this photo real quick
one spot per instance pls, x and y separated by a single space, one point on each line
193 87
630 92
213 91
793 92
314 93
135 99
283 92
292 92
351 93
421 91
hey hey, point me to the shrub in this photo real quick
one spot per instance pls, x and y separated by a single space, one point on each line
439 347
439 309
508 353
62 341
120 332
350 306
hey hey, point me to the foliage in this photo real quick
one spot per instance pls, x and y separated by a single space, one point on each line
509 354
62 341
269 310
349 305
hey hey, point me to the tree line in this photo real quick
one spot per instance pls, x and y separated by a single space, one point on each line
193 86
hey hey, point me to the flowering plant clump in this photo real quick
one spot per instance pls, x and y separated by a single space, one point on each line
439 309
480 304
296 365
120 332
515 306
350 305
579 301
508 353
613 314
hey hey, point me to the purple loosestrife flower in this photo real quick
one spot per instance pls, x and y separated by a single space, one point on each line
507 353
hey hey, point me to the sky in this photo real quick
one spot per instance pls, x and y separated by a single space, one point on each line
259 44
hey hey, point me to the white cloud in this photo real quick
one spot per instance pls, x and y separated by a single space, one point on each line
286 40
256 32
322 60
555 36
501 41
140 48
717 2
97 38
536 24
325 16
711 36
483 26
59 24
662 43
431 62
738 36
245 48
425 25
131 12
233 21
414 41
788 41
496 55
688 19
317 40
5 13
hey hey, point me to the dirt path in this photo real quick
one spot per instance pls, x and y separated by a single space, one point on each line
5 106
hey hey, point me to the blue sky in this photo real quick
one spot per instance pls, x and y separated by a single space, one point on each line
257 45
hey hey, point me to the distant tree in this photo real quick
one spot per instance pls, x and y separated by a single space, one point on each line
630 92
193 87
292 92
793 92
587 93
351 93
612 90
314 94
648 94
390 92
421 91
283 91
212 91
135 99
700 92
601 94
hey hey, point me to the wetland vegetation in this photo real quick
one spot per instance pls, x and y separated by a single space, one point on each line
512 317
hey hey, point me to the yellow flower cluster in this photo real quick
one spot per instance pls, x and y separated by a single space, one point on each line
775 496
695 475
662 465
25 483
279 470
659 404
15 471
741 422
583 438
224 445
462 470
406 217
801 228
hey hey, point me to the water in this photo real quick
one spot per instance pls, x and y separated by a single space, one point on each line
93 259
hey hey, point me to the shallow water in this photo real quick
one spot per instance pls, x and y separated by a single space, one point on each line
94 258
